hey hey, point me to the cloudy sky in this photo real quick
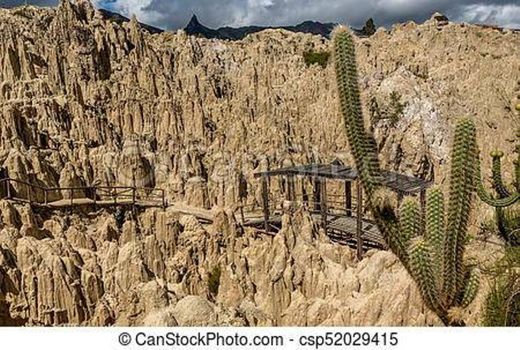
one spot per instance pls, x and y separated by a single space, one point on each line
173 14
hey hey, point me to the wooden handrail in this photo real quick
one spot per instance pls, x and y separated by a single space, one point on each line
153 195
8 180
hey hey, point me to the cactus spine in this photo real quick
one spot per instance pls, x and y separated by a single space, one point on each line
434 257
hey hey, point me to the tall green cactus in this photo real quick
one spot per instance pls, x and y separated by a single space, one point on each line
435 257
507 214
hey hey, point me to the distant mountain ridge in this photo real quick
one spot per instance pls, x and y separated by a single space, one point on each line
120 19
194 27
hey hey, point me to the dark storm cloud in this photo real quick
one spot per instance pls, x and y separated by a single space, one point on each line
174 14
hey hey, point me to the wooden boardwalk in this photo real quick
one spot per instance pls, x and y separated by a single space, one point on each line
64 203
68 197
340 228
342 212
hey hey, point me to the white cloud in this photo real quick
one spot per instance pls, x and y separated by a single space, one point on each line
142 9
506 15
215 13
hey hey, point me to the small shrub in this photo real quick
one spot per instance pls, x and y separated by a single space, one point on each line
502 305
23 12
396 108
502 308
393 112
214 280
321 58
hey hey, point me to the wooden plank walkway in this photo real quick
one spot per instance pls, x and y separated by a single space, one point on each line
340 228
64 203
200 213
105 196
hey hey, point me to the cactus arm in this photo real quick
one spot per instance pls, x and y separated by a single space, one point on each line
472 286
386 219
496 202
498 183
421 267
505 199
362 148
508 222
462 185
409 219
435 224
506 218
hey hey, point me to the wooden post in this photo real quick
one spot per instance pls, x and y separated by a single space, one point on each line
8 188
133 196
289 188
305 196
265 202
71 197
359 222
29 197
323 203
348 198
316 194
242 217
163 199
45 196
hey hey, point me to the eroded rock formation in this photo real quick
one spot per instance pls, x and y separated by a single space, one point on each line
76 88
155 271
88 101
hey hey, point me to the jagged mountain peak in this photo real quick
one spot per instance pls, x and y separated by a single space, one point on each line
194 20
195 27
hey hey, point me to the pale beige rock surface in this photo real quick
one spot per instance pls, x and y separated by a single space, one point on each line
77 277
86 101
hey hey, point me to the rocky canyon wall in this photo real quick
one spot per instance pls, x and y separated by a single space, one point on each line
74 269
84 100
87 101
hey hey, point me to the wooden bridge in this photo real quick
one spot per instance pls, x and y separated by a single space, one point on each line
342 215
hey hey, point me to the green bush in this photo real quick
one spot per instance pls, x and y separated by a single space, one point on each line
312 57
396 108
502 305
393 112
214 280
23 12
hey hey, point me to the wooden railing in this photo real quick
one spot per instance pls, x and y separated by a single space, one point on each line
26 192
